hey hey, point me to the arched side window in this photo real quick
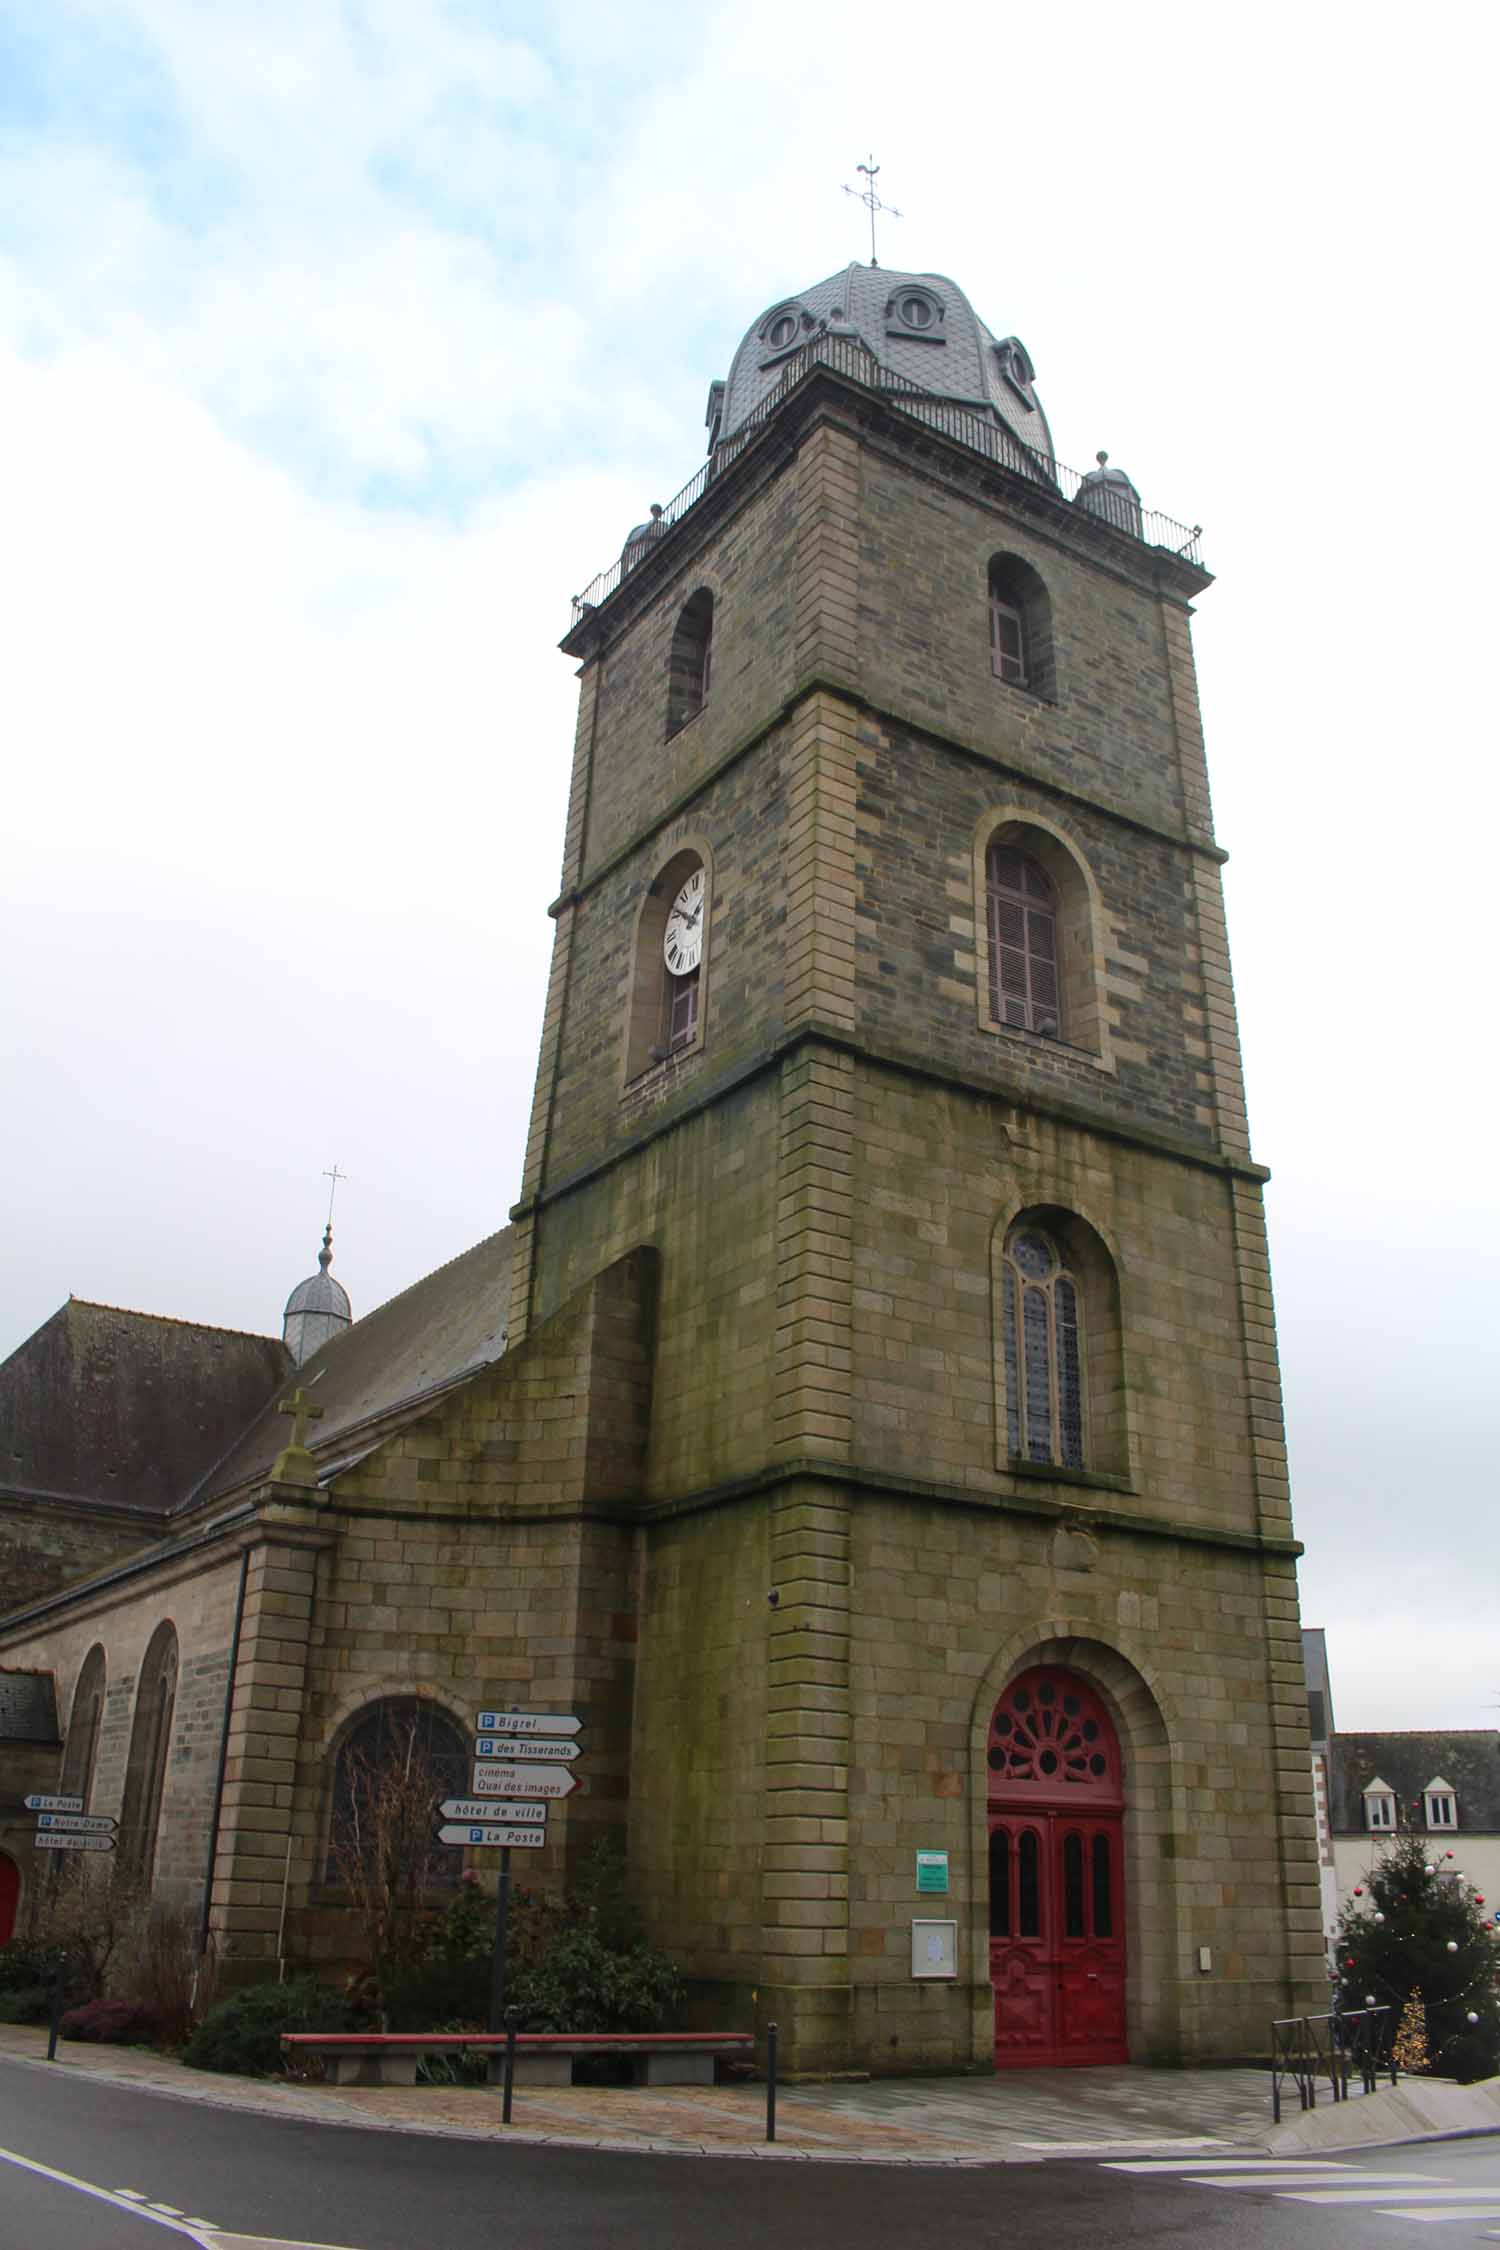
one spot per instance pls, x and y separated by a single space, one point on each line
1060 1389
81 1755
671 942
1021 651
690 662
1037 924
150 1741
1021 910
391 1771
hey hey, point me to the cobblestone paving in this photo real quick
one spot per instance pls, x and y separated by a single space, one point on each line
1020 2118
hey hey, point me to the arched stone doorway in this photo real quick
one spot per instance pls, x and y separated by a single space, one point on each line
10 1897
1056 1806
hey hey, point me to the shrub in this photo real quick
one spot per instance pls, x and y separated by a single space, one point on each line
110 2023
24 2003
243 2035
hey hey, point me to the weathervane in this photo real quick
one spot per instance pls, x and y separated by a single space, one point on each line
871 201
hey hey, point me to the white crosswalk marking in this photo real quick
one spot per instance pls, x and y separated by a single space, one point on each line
1380 2192
1234 2164
1440 2218
1396 2182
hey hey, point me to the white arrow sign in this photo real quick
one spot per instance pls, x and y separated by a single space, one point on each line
508 1746
527 1722
475 1808
90 1824
516 1839
535 1781
68 1840
53 1804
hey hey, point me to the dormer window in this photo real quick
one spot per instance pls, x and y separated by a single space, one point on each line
782 330
1016 367
1441 1803
917 314
1380 1807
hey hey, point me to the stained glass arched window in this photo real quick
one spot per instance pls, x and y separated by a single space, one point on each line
150 1741
1041 1318
82 1752
392 1770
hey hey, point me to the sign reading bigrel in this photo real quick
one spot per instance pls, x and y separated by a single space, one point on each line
527 1722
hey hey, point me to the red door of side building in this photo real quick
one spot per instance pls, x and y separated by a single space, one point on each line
10 1897
1057 1921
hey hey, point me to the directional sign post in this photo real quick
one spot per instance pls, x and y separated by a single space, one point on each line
522 1746
69 1840
524 1814
527 1781
527 1722
53 1804
531 1751
85 1824
485 1837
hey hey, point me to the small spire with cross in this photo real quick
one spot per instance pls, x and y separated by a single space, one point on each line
335 1176
871 201
294 1464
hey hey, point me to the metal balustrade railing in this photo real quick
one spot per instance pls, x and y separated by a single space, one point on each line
1108 503
1309 2049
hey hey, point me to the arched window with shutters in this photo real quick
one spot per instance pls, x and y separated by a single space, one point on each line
1021 910
1021 627
1040 963
81 1755
150 1741
690 660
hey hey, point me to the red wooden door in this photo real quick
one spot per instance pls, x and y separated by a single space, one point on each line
10 1897
1057 1944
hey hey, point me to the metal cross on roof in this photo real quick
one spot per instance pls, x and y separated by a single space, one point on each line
871 201
303 1410
335 1176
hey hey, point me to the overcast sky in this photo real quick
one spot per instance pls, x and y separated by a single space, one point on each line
339 346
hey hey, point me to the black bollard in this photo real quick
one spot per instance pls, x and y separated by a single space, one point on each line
510 2064
770 2081
54 2011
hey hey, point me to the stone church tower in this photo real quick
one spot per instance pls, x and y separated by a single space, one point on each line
870 1421
890 1010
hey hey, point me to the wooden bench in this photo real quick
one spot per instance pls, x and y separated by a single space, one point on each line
543 2058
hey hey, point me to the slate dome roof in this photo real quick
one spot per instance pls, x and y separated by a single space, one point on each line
320 1293
919 326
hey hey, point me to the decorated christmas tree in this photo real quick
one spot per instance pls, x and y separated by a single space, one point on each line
1415 1938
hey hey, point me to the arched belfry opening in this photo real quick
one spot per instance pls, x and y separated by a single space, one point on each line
1055 1788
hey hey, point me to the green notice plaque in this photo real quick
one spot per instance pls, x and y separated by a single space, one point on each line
932 1871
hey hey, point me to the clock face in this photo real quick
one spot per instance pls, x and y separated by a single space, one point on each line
682 941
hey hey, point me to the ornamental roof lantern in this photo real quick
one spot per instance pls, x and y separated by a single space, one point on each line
1109 494
317 1308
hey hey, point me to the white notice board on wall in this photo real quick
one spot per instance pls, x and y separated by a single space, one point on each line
934 1949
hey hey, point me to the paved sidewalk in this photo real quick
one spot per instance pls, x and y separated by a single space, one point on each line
1020 2118
1017 2119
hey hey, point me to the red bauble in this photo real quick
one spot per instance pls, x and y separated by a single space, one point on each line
1359 1890
1350 1962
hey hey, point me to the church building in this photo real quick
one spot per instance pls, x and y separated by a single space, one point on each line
869 1421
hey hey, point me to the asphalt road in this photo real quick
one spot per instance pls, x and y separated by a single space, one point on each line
364 2190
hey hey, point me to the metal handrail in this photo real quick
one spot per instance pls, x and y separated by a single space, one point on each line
847 355
1308 2049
